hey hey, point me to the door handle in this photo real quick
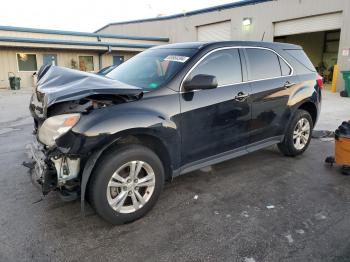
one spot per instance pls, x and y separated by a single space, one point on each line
240 97
288 84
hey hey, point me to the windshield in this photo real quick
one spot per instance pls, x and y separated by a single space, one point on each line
153 68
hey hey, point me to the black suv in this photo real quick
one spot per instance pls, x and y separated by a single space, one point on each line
172 109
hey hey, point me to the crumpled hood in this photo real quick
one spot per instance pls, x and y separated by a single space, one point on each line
59 84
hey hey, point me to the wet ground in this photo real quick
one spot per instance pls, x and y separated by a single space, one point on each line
260 207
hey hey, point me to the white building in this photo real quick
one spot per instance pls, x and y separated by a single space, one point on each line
24 50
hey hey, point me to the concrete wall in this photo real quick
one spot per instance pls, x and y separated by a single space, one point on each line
8 61
264 16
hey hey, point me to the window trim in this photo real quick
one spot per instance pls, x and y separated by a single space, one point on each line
279 62
93 63
243 82
29 71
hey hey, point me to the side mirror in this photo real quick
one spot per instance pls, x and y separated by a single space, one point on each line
200 82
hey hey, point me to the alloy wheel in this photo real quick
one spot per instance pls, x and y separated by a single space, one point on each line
131 186
301 133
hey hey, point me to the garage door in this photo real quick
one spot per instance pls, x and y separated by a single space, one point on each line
309 24
214 32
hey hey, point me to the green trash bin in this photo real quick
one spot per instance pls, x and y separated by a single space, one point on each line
346 77
15 82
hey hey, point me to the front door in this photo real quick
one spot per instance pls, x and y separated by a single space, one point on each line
118 59
215 121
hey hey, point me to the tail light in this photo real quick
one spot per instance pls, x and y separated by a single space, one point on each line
319 81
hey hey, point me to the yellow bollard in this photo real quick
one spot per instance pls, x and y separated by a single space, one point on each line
334 79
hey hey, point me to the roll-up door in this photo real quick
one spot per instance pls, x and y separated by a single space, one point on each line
309 24
214 32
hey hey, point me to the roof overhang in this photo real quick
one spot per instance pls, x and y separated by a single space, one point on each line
86 34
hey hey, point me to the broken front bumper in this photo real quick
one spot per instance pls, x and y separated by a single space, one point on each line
52 171
40 172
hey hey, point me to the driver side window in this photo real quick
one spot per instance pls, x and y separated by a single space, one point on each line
225 65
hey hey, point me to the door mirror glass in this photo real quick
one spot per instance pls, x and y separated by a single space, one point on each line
200 81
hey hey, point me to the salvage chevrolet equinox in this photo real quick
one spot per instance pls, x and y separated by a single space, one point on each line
113 140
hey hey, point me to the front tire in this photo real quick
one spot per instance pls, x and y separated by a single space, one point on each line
298 135
126 184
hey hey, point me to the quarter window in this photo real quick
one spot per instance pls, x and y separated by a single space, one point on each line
225 65
26 62
262 64
302 58
86 63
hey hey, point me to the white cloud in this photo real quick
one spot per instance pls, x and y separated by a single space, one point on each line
89 15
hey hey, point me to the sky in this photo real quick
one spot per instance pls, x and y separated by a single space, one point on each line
90 15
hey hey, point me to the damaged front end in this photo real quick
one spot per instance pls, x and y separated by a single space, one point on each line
54 170
62 98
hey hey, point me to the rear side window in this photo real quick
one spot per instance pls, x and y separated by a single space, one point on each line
262 64
225 65
302 58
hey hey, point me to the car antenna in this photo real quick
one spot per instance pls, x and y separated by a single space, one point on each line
262 39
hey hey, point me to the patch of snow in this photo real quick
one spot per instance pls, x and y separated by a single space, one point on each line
320 216
300 231
290 238
245 214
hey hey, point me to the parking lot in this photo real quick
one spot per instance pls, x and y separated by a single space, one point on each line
260 207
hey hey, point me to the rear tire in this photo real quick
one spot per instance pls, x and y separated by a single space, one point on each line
298 135
126 184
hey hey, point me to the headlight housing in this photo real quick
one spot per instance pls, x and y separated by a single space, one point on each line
56 126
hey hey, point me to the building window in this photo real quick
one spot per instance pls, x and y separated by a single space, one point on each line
26 62
86 63
50 59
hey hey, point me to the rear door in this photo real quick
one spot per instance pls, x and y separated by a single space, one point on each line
270 78
215 121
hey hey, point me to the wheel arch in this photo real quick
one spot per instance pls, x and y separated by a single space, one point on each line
148 140
127 137
311 108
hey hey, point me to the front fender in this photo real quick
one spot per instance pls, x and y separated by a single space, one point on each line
101 128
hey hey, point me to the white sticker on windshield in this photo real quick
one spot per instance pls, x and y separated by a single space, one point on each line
176 58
